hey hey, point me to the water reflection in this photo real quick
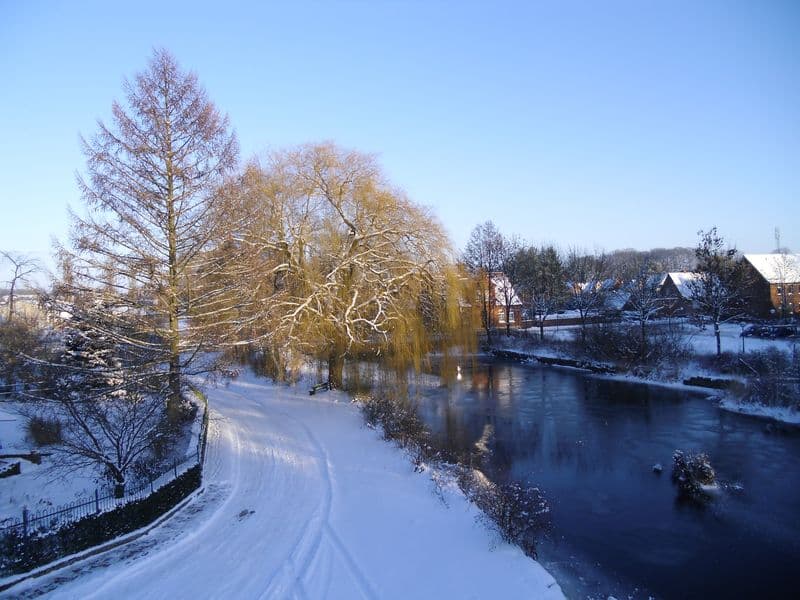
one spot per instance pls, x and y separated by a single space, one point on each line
590 444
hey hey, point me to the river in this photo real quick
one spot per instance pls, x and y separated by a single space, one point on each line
617 526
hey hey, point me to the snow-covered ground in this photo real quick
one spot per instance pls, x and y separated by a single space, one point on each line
701 341
36 487
301 500
704 342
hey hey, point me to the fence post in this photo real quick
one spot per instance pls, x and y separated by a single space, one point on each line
25 521
175 468
96 501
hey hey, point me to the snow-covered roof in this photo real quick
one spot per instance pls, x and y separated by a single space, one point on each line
502 286
682 279
776 268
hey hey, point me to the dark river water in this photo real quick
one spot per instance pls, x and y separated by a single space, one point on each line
617 527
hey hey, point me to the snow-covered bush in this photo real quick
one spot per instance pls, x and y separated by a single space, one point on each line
518 512
775 379
400 423
693 474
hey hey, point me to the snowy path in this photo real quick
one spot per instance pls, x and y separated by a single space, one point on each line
301 501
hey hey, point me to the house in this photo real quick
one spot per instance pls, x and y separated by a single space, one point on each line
501 293
773 284
676 290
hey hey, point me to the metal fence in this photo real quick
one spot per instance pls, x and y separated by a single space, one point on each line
48 520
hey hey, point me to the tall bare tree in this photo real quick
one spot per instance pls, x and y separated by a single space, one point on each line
150 192
22 267
484 256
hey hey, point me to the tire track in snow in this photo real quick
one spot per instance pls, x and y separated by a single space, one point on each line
359 576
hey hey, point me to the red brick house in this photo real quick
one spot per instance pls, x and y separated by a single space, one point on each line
773 284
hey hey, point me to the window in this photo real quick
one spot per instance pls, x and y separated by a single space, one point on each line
511 316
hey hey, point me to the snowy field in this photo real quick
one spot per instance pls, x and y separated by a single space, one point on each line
37 486
301 500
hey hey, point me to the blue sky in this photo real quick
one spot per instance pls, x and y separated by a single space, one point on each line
597 124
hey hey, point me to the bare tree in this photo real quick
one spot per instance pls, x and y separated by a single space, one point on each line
645 300
150 194
786 273
715 290
509 277
22 266
585 273
484 256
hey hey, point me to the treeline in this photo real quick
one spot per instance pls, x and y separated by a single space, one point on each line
542 279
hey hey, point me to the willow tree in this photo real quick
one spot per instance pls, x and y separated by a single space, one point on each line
150 190
347 263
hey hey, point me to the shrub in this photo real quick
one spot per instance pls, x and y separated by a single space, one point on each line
774 378
692 473
44 431
518 512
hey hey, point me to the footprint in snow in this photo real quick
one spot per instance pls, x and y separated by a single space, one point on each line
245 513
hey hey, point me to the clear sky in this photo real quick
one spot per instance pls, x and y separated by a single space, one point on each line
597 124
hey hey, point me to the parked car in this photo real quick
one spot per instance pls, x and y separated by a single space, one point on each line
769 331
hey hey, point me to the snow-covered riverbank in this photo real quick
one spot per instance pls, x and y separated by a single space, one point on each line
301 500
687 374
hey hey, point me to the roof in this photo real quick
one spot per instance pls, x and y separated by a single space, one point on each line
682 279
776 268
501 285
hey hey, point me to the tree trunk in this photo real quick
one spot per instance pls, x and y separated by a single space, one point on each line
644 338
119 481
508 320
487 323
716 334
11 300
174 400
335 368
541 329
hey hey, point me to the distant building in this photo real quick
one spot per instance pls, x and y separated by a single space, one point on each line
773 284
501 291
676 290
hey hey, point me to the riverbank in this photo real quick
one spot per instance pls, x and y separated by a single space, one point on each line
730 391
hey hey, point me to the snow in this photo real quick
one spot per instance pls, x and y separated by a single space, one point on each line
703 341
301 500
35 487
776 268
682 279
777 413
